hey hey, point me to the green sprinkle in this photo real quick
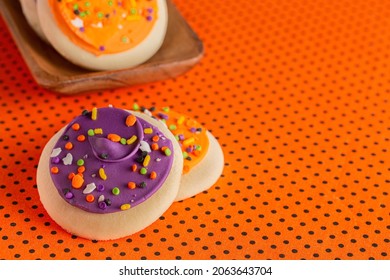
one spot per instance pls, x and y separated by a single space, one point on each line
125 39
123 141
87 4
143 171
83 14
91 132
165 109
167 152
80 162
133 11
198 147
100 15
185 155
135 107
172 127
75 7
177 137
116 191
110 3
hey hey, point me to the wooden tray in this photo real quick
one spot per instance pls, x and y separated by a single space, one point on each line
181 50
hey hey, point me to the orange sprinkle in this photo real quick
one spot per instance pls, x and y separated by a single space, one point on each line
69 146
77 181
131 185
76 126
154 146
186 169
54 170
153 175
114 137
155 138
81 138
90 198
196 153
71 175
81 169
164 148
134 167
130 120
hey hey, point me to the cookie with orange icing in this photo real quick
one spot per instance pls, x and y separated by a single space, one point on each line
203 158
104 34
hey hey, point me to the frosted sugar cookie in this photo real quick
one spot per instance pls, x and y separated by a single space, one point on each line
104 34
202 154
100 178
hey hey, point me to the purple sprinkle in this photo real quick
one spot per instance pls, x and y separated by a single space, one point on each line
150 10
189 149
82 29
102 205
181 137
193 129
55 160
102 48
69 195
149 18
100 188
163 116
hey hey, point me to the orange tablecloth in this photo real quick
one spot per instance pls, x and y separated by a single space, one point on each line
297 92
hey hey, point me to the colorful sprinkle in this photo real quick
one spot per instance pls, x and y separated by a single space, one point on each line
67 160
155 138
80 162
134 167
146 161
55 160
76 126
81 169
142 185
189 141
181 120
55 152
125 206
54 170
130 120
94 114
148 130
89 188
81 138
90 198
131 140
100 188
98 131
69 146
114 137
153 175
91 132
131 185
116 191
123 141
143 171
77 181
154 146
102 174
102 205
69 195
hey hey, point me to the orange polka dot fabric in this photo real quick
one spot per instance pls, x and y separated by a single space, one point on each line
297 93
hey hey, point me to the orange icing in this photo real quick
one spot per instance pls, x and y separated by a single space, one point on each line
105 26
190 134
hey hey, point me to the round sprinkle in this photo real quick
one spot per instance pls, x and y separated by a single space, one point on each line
89 198
172 127
81 169
134 167
143 171
116 191
125 206
107 201
102 205
123 141
55 160
76 127
81 138
71 175
153 175
154 146
80 162
54 170
69 195
84 112
65 137
104 156
131 185
77 181
100 188
142 185
91 132
167 152
155 138
69 146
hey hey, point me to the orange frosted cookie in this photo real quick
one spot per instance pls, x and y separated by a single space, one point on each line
202 155
104 34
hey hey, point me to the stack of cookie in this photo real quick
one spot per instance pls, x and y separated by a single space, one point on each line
111 172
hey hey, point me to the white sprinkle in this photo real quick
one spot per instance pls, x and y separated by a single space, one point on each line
101 198
68 159
56 152
158 159
98 25
145 147
89 188
147 112
77 22
85 157
120 26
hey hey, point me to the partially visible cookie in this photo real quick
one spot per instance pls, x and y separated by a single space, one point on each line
29 8
202 154
101 178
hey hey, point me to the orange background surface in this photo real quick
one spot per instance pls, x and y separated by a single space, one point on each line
297 92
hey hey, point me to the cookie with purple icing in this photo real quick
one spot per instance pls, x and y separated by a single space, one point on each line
109 173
